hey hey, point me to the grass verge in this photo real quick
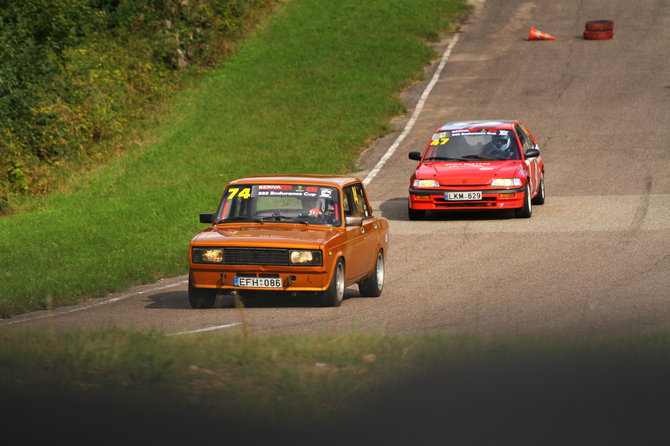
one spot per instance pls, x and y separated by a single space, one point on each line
306 94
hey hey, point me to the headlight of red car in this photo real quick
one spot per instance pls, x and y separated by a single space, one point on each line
506 182
425 183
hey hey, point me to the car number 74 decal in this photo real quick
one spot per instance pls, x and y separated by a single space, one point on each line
244 193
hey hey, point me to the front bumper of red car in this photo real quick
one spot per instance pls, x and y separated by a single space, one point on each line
466 198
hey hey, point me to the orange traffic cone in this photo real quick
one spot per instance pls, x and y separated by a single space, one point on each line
538 35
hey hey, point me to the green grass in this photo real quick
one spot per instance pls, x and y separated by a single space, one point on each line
307 94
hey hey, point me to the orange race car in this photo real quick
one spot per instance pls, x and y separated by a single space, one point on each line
289 234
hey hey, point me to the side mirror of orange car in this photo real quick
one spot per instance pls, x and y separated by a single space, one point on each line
415 156
532 153
353 221
206 218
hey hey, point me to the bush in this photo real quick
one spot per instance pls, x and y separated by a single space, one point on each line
77 73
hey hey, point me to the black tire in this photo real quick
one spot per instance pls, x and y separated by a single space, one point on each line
373 285
599 25
539 197
416 214
526 211
333 296
598 35
200 297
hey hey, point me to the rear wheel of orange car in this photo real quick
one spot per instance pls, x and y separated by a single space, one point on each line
373 285
200 298
527 209
333 296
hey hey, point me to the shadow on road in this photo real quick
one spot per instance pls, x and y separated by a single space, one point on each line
178 300
396 209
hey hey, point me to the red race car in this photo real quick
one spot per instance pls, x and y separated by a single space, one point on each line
477 165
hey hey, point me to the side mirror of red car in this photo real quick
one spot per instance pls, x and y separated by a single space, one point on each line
532 153
206 218
415 156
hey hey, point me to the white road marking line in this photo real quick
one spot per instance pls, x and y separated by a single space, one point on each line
417 111
200 330
88 307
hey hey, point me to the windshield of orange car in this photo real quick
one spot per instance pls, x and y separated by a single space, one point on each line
476 145
281 203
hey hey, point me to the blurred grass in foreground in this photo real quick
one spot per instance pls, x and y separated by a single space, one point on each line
285 379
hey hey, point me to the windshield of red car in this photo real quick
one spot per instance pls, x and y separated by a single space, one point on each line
476 145
282 203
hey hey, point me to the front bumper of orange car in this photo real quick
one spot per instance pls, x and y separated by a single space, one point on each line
227 278
438 199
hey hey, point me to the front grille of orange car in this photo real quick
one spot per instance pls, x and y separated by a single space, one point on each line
256 256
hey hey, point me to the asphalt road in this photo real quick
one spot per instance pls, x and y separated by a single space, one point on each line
593 261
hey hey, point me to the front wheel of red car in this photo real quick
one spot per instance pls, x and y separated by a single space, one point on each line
373 285
199 297
416 214
333 296
527 209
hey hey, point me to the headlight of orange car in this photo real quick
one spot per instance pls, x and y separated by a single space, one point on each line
310 257
207 255
506 182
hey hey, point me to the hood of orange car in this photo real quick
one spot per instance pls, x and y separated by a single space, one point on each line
267 235
463 173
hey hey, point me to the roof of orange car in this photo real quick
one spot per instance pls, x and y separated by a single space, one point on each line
330 180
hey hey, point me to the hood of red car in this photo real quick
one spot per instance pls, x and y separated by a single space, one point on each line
267 234
463 173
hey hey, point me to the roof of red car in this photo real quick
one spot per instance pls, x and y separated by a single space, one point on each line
477 124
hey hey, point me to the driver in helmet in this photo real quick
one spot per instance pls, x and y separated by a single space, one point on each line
311 207
498 147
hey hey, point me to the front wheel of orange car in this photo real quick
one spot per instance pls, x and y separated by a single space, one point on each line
333 296
200 298
527 209
373 285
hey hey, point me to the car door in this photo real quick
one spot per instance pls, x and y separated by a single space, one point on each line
362 239
532 164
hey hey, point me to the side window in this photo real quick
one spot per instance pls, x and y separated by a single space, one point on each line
355 204
366 211
526 142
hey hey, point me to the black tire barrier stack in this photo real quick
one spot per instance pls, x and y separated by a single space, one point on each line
599 29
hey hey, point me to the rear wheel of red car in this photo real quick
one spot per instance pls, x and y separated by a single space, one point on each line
416 214
333 296
539 197
527 209
199 297
373 285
